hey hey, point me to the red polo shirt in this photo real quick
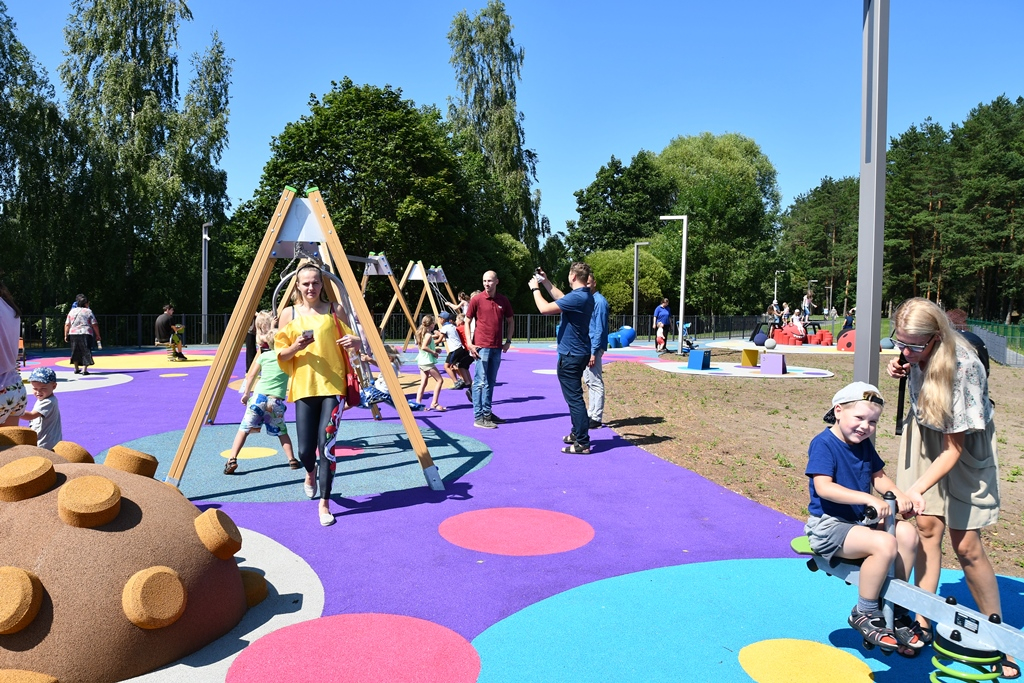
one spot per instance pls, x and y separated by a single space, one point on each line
490 314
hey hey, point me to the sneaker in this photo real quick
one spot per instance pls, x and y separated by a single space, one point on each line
872 629
469 394
495 419
596 424
459 384
181 356
484 423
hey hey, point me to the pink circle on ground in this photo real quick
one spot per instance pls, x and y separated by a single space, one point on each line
356 648
346 451
516 531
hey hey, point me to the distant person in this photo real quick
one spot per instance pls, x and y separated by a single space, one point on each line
12 390
661 315
785 313
773 315
264 391
487 316
843 466
81 331
426 340
808 305
574 349
848 320
458 360
169 333
45 414
660 345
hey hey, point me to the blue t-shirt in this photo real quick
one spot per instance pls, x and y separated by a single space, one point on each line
599 325
849 465
574 328
661 315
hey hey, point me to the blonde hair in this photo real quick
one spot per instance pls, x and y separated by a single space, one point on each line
266 328
422 332
297 293
920 317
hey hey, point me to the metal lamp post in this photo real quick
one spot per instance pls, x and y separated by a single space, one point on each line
776 295
206 267
809 309
636 277
682 276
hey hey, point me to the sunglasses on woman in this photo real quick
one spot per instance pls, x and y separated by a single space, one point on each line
916 348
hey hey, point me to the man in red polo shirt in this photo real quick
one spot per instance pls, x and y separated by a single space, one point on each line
488 314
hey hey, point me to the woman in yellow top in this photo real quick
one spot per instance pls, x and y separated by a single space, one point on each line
310 352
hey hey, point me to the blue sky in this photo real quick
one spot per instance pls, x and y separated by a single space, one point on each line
603 78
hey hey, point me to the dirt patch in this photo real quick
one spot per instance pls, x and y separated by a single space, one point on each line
751 435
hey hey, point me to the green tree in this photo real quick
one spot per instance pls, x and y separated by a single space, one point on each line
614 272
621 205
819 241
488 123
154 165
728 188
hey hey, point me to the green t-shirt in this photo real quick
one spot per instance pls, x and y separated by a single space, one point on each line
273 381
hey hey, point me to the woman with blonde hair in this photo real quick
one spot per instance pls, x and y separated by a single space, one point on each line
947 462
312 348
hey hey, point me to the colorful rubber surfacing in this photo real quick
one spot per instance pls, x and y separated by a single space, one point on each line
532 565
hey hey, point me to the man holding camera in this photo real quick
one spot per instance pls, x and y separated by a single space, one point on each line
574 348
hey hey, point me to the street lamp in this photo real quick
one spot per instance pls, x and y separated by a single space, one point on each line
776 296
809 309
206 267
636 273
682 275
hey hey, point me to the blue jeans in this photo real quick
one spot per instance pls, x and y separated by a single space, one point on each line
570 376
485 376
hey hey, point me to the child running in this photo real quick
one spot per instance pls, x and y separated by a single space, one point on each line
842 465
45 414
265 403
426 338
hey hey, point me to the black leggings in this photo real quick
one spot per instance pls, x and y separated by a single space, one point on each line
312 415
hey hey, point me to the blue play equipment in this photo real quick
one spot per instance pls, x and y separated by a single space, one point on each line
627 334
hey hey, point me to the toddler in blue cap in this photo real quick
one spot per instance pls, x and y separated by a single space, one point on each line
45 414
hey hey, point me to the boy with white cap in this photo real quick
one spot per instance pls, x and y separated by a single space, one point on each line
842 467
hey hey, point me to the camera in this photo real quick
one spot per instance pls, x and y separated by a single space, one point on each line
539 270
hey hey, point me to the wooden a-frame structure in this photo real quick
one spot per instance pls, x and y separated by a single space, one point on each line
430 277
377 264
305 220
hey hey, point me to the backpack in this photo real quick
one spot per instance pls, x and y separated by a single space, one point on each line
979 347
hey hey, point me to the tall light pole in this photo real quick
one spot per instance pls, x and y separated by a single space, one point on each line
682 276
206 267
636 277
809 309
776 296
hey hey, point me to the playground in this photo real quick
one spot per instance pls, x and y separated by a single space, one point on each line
664 555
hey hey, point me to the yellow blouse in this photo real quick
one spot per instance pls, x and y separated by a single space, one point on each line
320 368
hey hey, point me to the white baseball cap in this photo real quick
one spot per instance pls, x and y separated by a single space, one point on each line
856 391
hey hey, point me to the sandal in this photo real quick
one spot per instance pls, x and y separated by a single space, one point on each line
569 439
437 407
1002 664
294 464
230 466
577 449
872 629
906 634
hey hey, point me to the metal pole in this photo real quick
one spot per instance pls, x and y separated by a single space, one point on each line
871 222
775 297
206 267
682 275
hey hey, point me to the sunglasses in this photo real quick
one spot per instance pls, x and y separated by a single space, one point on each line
916 348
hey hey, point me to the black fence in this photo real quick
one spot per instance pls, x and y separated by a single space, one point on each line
136 329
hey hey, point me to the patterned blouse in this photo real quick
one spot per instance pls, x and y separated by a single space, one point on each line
81 321
972 409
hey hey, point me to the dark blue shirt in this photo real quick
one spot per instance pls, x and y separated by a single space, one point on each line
661 315
574 328
599 325
849 465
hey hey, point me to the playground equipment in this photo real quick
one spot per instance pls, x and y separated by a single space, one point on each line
967 643
297 228
432 279
377 265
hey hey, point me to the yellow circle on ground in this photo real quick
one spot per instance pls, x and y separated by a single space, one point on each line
175 374
141 361
251 453
787 660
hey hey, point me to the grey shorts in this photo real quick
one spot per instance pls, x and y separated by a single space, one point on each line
826 534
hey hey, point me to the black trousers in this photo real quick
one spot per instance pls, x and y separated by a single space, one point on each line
312 415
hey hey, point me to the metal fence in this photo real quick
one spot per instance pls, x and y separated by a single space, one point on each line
136 329
1005 342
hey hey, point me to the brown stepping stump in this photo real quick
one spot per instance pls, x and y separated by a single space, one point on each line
89 502
72 452
22 676
21 594
17 436
128 460
255 585
154 598
26 478
219 534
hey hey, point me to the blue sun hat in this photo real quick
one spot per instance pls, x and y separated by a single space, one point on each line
44 375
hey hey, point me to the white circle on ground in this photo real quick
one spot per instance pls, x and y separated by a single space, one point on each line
69 381
288 576
546 371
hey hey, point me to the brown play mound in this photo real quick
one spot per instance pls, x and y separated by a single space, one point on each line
149 561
